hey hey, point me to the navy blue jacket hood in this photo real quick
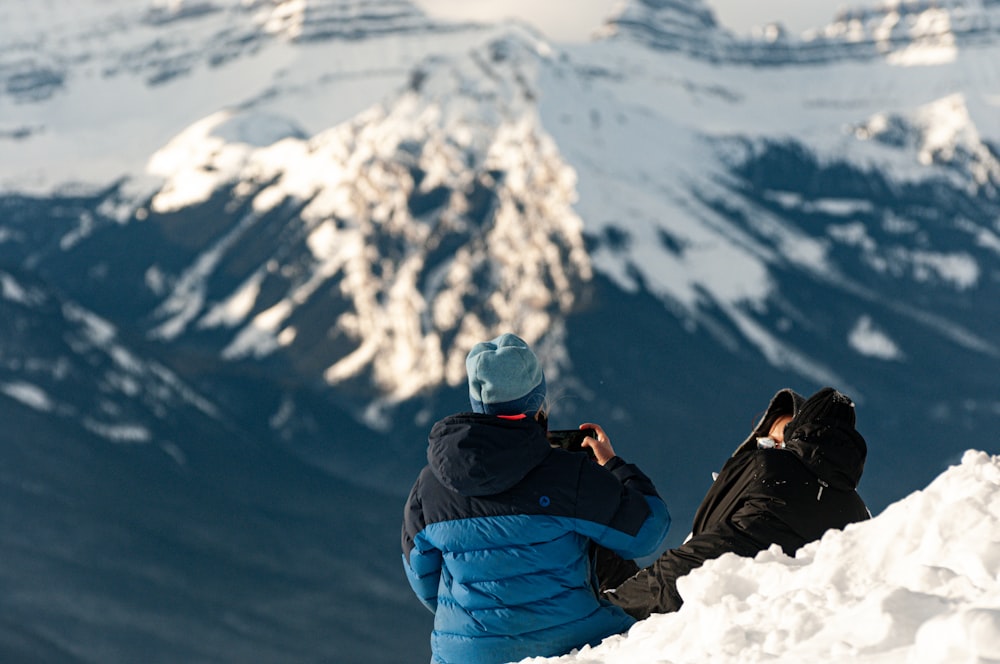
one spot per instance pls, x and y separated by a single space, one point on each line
482 455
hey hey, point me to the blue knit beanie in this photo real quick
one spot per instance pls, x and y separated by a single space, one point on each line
505 377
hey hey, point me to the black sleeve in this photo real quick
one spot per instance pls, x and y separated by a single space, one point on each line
612 570
413 521
617 507
630 476
764 517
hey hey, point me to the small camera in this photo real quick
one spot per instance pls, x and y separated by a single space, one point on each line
571 440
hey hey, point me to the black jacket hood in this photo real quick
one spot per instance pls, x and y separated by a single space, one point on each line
834 453
784 402
481 455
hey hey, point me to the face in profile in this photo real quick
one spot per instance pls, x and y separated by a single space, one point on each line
777 432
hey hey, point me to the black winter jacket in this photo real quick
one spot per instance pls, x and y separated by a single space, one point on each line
787 496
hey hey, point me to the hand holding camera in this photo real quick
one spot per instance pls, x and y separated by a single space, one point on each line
571 440
589 438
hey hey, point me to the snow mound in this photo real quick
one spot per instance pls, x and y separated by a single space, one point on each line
918 583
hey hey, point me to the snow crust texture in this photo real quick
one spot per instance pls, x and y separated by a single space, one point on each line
918 583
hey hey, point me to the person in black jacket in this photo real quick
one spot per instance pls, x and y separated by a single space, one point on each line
794 478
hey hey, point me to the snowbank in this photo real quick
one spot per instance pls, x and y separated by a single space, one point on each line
919 583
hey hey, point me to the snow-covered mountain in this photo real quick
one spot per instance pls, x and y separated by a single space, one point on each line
917 32
269 231
74 75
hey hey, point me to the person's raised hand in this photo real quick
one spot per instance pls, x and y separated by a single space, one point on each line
601 445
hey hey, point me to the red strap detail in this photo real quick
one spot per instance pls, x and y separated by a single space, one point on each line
519 416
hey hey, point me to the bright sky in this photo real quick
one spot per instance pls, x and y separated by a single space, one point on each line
574 20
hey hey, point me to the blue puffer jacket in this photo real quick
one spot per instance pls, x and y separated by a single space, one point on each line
497 540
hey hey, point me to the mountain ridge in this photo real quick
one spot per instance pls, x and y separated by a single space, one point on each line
367 188
903 33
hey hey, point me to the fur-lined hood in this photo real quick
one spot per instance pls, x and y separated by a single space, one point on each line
785 402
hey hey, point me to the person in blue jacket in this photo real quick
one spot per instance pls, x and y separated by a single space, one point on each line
500 529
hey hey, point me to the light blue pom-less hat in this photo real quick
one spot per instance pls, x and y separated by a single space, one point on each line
505 377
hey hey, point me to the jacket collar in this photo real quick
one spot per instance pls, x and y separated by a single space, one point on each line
480 455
